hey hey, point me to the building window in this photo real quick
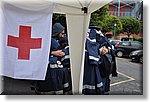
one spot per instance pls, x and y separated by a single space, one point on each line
127 13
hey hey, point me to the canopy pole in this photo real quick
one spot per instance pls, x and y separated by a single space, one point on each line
77 30
85 25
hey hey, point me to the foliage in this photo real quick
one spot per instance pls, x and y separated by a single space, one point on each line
109 22
97 18
130 26
59 18
140 39
103 20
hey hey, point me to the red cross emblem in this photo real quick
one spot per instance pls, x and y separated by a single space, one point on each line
24 42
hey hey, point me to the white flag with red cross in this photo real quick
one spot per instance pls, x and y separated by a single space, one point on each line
26 41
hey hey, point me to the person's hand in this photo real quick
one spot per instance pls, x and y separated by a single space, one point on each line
104 50
58 53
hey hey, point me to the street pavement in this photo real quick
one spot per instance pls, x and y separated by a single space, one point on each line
128 82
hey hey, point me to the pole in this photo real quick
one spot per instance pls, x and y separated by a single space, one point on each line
118 8
115 30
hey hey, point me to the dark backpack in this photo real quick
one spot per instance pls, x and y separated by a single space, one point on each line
106 65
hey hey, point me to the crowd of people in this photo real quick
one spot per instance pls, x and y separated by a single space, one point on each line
99 64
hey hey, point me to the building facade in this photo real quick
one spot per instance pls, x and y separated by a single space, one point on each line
126 8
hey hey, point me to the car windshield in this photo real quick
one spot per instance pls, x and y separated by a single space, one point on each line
125 43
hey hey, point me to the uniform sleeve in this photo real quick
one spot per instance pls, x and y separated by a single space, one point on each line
92 49
54 47
66 59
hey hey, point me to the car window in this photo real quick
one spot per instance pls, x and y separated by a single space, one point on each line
125 43
136 44
114 42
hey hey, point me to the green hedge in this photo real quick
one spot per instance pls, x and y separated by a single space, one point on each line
138 39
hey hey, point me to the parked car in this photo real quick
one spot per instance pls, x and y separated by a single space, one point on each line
137 56
114 42
124 48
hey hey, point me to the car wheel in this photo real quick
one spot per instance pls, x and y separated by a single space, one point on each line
119 53
141 59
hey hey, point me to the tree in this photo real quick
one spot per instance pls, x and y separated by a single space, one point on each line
59 18
109 22
130 26
98 17
105 21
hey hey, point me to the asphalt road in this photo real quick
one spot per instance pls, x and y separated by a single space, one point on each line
128 82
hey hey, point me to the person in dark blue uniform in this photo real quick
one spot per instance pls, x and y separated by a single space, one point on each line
98 64
93 83
57 77
107 64
66 58
65 48
104 42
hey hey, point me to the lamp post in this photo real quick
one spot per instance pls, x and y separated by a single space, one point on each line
115 25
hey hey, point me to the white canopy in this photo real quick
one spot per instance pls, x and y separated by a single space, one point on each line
78 14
